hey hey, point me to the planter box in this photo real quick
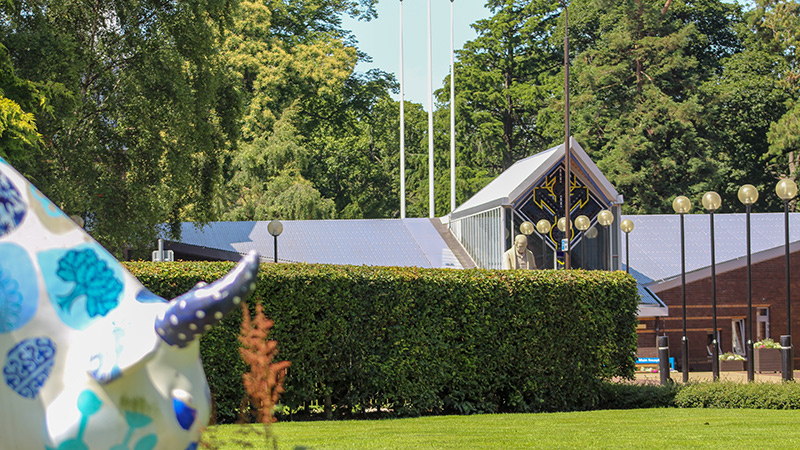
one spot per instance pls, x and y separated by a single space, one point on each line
731 365
767 359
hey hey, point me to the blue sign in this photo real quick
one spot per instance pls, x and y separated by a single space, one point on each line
655 361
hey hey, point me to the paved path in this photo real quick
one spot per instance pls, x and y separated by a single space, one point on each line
766 377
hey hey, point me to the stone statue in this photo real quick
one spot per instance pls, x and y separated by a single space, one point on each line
518 256
90 358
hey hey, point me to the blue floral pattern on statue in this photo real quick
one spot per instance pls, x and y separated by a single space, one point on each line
12 206
84 283
19 292
28 366
90 404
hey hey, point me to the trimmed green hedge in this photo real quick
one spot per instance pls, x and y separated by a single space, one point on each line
425 340
739 395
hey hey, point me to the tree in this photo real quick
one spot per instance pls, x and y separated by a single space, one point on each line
355 137
636 105
499 82
19 138
295 67
777 23
742 104
140 109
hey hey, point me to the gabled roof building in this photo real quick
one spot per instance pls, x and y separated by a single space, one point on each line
478 232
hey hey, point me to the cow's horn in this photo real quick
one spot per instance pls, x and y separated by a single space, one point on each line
195 312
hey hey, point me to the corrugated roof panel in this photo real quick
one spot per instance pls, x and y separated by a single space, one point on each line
655 245
384 242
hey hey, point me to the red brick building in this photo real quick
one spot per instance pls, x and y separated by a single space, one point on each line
655 261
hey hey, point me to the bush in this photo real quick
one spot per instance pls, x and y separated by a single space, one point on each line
739 395
633 396
425 341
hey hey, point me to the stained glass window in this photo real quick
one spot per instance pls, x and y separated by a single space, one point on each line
545 200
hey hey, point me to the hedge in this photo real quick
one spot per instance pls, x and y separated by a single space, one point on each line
425 341
739 395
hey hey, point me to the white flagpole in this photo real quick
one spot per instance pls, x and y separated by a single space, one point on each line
402 126
452 114
430 116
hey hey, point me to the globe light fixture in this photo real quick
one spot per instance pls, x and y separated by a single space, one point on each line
712 202
787 190
683 205
526 228
543 227
275 228
606 218
748 195
582 223
627 226
562 225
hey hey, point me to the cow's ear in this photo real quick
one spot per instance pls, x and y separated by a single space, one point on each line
121 346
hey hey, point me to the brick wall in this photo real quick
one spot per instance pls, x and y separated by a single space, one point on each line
768 291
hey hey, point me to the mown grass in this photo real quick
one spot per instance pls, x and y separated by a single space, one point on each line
642 428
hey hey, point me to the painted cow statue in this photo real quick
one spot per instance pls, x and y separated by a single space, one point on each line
90 358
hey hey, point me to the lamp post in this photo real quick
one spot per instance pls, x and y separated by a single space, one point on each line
748 195
543 227
786 190
275 228
627 227
582 224
683 205
605 218
712 202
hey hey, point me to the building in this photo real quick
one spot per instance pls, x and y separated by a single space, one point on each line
478 232
656 264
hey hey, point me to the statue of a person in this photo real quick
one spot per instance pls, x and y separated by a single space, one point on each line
518 256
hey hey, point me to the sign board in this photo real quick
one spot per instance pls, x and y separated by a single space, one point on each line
564 245
654 362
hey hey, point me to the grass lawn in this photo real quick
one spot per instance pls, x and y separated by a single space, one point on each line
642 428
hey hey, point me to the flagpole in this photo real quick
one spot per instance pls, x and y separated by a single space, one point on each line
430 116
452 114
402 126
567 152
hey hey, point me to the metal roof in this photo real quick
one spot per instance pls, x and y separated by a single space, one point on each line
523 174
377 242
655 245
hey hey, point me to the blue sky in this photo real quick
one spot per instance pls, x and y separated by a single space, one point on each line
380 38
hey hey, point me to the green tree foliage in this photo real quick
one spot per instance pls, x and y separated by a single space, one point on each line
636 104
777 22
140 110
742 104
303 111
354 133
19 138
499 82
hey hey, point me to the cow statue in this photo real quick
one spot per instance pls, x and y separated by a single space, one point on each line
90 358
